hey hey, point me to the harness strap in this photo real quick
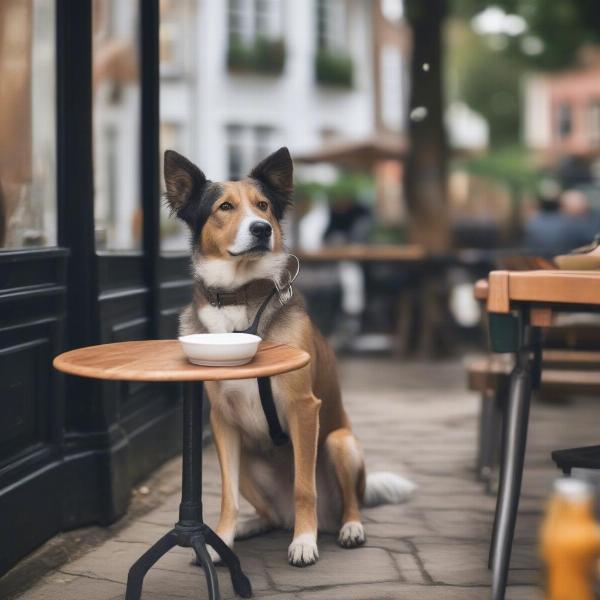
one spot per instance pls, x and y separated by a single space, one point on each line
253 329
278 436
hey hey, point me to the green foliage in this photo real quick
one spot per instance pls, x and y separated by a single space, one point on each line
334 68
491 86
348 186
486 71
510 165
563 26
264 56
388 234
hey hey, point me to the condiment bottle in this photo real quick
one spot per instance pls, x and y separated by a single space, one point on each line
570 542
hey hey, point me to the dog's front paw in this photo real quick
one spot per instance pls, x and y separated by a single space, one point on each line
352 534
303 551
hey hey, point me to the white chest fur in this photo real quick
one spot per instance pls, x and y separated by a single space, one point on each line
225 319
239 404
239 401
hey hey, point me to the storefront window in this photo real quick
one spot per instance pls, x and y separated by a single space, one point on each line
177 100
116 89
27 124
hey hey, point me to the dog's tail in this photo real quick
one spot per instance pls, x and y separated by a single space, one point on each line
386 488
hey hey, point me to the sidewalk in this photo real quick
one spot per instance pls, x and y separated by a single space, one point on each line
415 419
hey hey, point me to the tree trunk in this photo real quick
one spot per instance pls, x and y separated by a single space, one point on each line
426 164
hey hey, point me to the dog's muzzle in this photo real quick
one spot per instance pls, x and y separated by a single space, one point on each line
261 231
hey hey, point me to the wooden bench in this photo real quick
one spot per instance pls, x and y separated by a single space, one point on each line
564 372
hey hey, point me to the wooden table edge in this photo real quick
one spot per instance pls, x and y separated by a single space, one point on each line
509 288
191 372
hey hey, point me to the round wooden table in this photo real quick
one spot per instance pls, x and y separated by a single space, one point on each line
163 360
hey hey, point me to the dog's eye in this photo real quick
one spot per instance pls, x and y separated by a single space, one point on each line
226 206
262 205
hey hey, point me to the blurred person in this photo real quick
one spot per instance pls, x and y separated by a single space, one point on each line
349 222
582 222
573 171
561 224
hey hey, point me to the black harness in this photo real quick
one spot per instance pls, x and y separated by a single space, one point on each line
278 435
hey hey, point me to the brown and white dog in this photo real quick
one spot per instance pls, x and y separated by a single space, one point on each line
319 480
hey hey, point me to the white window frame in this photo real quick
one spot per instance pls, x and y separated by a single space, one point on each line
332 19
256 18
254 142
392 87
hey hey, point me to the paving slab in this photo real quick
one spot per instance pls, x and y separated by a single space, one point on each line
416 419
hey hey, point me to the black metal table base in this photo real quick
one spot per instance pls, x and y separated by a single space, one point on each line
191 531
195 536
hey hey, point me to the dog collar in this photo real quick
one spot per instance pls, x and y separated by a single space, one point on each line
253 291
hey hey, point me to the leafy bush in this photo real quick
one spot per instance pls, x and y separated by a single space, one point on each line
263 56
334 68
348 186
512 165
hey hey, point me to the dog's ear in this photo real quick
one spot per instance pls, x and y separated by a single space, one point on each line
184 181
276 175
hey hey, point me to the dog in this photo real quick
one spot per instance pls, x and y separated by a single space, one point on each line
318 481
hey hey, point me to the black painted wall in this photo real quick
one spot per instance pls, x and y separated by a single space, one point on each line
72 449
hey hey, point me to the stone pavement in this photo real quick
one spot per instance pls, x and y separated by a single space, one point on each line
415 419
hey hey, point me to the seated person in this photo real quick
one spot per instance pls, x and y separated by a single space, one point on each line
561 225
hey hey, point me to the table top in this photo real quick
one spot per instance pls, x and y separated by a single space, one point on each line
364 253
550 287
164 360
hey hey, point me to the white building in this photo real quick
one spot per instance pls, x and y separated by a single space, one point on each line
226 119
239 78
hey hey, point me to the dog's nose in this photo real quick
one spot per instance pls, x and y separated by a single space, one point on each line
261 230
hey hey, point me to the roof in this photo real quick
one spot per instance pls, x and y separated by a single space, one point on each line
358 154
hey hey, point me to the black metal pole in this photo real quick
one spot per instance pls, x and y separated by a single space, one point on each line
190 509
149 153
75 169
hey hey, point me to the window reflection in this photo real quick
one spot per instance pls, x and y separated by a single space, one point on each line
177 99
27 124
116 82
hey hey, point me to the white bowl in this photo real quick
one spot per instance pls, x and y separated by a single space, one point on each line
220 349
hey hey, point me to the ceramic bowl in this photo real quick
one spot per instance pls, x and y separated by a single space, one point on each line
220 349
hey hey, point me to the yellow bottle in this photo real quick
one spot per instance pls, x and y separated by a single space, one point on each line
570 542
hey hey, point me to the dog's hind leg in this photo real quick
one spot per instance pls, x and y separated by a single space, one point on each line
265 519
228 444
346 456
251 527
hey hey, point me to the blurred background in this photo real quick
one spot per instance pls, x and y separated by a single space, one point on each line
432 140
462 124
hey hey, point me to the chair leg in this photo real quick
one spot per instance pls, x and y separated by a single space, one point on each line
140 567
515 439
500 406
490 423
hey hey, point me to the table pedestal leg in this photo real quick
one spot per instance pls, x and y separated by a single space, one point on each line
191 531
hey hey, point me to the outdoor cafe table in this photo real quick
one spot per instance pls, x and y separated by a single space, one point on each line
163 360
363 253
520 304
402 258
